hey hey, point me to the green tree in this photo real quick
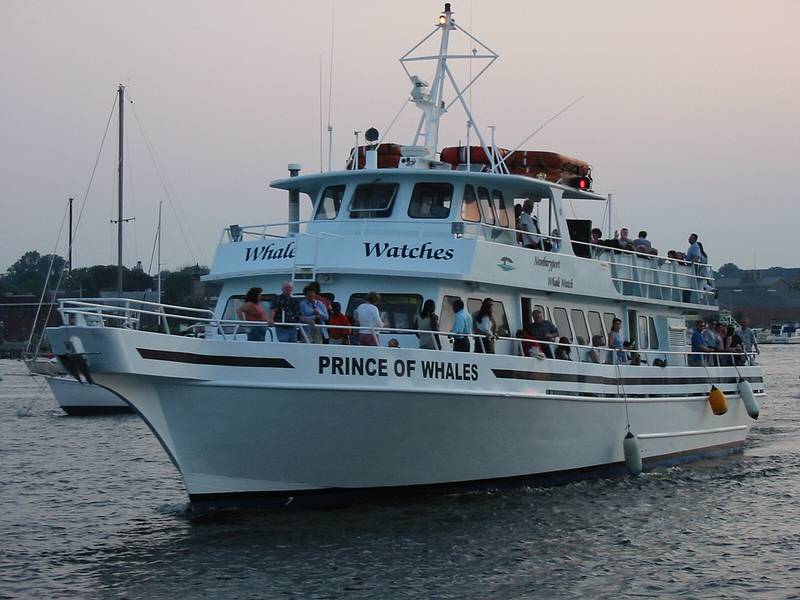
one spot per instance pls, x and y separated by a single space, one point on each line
28 274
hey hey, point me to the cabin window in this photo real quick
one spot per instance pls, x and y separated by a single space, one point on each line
446 314
487 212
500 208
397 310
653 334
431 201
469 206
581 331
373 200
643 341
329 203
234 302
500 319
608 318
562 323
595 324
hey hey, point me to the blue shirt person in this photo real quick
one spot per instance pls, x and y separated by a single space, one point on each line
693 254
462 324
314 314
698 345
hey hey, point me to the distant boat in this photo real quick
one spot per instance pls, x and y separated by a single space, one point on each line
787 333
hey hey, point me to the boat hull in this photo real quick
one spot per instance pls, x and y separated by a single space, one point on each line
250 423
82 399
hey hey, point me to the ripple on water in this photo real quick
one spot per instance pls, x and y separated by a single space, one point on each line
92 507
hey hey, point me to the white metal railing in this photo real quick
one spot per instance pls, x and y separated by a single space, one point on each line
122 312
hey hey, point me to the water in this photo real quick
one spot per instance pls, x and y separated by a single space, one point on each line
92 507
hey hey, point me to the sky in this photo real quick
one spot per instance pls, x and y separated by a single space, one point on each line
689 112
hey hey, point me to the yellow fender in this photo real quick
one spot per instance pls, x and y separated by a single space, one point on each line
717 400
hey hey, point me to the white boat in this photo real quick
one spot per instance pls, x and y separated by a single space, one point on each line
297 424
786 333
76 397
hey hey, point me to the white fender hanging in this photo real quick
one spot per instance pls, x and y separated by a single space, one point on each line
748 398
633 455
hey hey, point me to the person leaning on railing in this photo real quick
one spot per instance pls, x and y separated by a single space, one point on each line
698 345
251 310
286 314
462 327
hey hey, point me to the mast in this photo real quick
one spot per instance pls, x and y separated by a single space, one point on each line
158 260
429 98
121 100
69 253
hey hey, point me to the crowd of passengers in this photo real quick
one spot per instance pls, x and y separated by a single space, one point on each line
530 235
319 320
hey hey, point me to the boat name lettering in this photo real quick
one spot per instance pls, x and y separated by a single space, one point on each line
383 367
560 282
425 251
269 252
547 263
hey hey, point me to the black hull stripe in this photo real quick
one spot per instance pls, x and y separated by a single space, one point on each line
336 497
212 359
599 379
84 411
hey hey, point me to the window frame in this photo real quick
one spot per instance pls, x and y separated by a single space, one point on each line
373 212
582 320
449 204
321 201
473 203
391 319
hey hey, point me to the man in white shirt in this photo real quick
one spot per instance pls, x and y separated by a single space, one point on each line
528 223
367 315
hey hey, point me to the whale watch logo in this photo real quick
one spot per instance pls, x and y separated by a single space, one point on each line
269 252
423 252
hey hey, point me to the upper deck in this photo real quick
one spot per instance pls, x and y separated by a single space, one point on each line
451 224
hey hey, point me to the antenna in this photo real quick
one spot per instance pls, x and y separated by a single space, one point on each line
330 90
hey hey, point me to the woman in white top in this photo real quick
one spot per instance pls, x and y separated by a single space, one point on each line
428 321
485 325
367 315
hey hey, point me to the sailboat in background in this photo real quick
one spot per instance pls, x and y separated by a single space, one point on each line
77 395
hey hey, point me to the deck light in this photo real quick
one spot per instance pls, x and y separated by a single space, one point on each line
442 19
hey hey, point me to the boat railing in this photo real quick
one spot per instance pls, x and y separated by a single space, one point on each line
133 314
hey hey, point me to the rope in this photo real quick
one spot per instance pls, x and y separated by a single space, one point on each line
27 411
621 390
152 153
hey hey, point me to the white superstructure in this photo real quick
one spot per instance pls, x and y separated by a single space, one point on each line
299 423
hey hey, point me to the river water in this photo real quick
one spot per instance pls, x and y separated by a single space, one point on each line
92 507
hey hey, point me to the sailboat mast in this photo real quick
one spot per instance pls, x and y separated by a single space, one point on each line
121 104
69 256
158 260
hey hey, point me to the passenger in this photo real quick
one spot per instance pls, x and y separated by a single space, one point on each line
314 314
462 326
529 346
634 358
737 346
597 354
725 334
623 241
517 214
485 326
337 317
251 310
615 342
555 241
748 337
326 299
582 352
543 330
369 317
698 345
563 349
693 254
596 242
393 343
428 321
527 223
659 362
642 244
285 309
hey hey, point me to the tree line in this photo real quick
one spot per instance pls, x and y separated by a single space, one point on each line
28 274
